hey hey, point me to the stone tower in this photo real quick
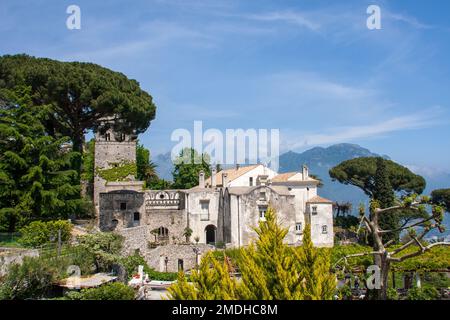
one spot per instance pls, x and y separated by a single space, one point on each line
115 160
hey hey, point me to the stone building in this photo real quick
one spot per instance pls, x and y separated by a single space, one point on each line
173 228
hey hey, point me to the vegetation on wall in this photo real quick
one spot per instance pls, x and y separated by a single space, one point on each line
120 172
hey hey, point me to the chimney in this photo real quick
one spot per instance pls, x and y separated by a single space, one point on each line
201 179
225 179
305 172
262 180
213 176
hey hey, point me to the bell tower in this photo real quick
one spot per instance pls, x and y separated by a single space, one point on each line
113 149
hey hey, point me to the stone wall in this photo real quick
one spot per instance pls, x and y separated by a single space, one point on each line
174 253
174 220
136 238
113 217
9 256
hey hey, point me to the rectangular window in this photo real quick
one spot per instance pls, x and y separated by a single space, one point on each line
262 196
204 210
123 206
298 227
324 229
250 181
262 212
314 210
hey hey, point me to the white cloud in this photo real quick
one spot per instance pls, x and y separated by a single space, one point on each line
291 17
410 20
419 120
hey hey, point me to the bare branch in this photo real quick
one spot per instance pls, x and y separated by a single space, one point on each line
356 255
406 227
397 207
410 242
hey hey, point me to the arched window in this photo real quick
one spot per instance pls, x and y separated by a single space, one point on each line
210 234
114 224
163 234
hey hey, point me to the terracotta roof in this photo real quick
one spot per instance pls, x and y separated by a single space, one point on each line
233 174
283 177
318 199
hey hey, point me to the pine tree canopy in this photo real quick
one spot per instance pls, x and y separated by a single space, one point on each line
76 95
361 172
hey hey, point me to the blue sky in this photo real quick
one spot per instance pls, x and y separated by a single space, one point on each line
309 68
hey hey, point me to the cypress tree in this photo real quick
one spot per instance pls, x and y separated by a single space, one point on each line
383 193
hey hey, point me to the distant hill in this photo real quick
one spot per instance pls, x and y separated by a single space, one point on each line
164 166
320 161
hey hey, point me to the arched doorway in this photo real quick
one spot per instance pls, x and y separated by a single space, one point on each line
210 234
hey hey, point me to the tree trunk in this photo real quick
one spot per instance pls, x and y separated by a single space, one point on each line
77 146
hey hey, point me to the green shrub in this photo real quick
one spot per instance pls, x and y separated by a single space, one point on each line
105 247
110 291
425 293
162 276
132 262
345 292
29 280
392 294
38 233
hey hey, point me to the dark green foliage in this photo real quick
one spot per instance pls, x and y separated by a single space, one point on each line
110 291
384 195
105 247
426 293
87 173
76 95
187 168
36 177
132 262
441 197
361 173
29 280
38 233
159 184
146 169
346 222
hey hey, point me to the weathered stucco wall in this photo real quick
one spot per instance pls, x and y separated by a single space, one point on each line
323 218
198 220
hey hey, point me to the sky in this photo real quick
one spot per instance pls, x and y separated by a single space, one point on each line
311 69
